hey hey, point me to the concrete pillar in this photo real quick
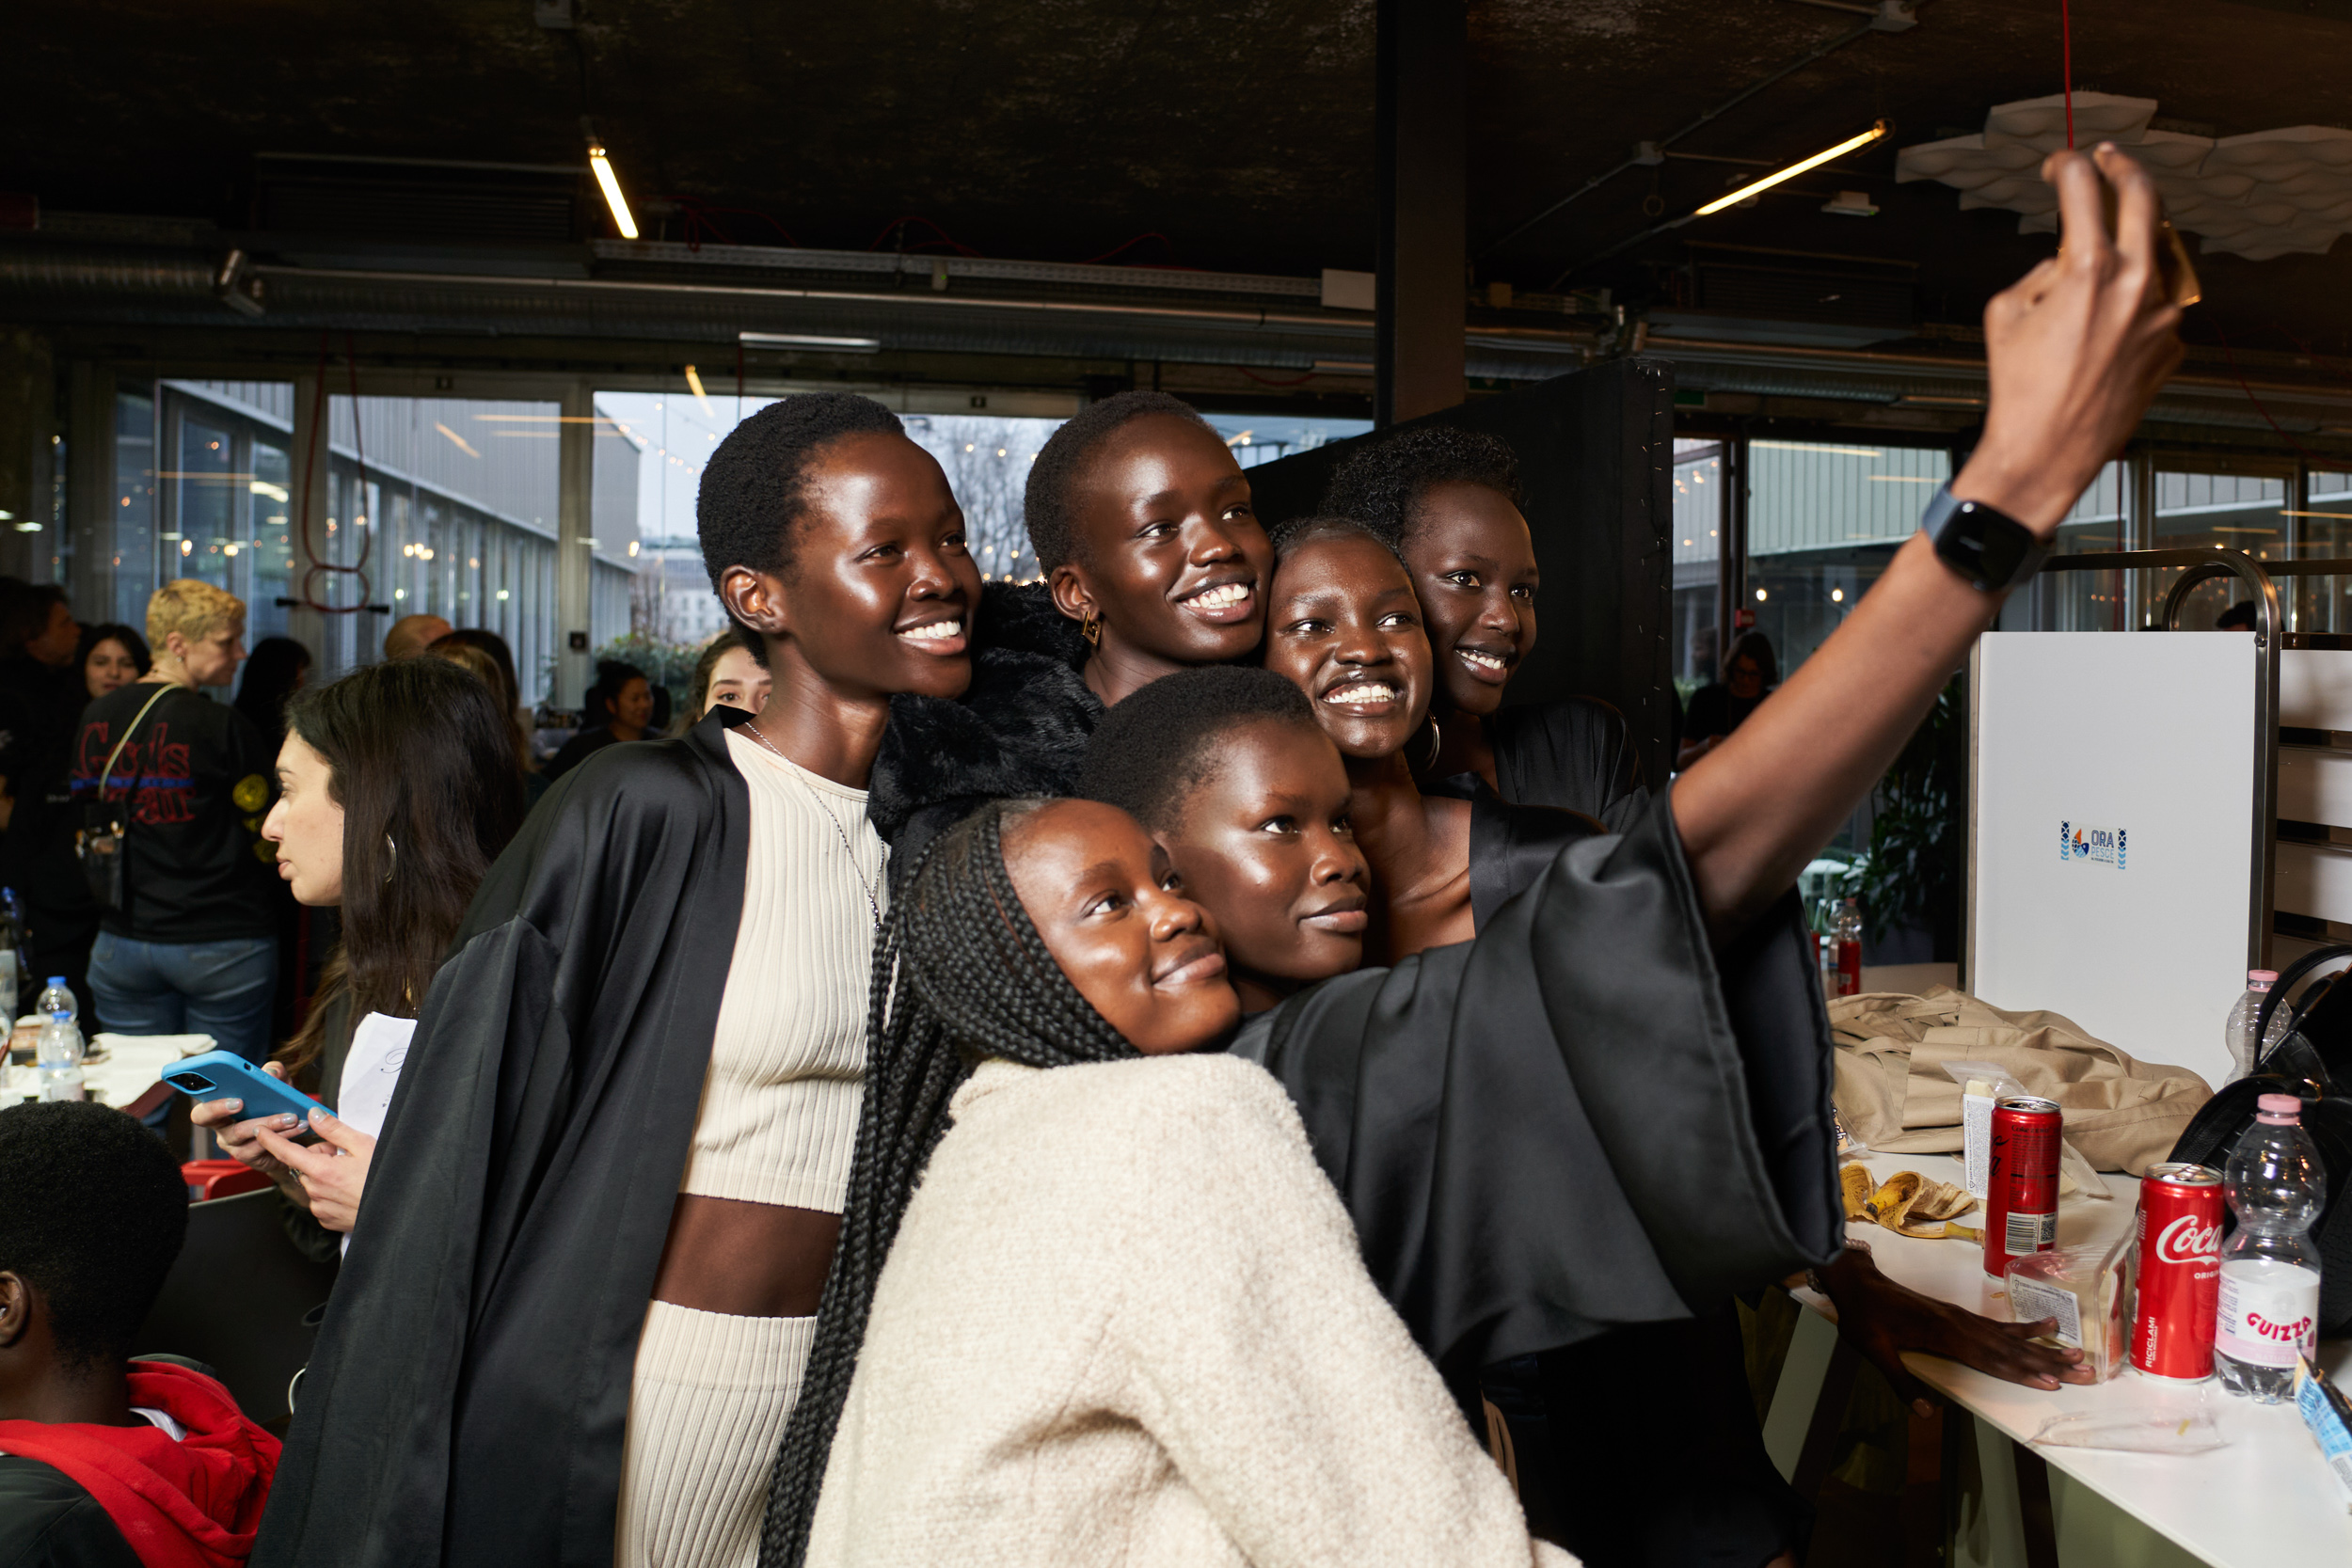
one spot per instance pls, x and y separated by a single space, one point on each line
91 502
28 419
574 552
1419 169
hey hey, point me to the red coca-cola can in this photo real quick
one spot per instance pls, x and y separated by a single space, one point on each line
2021 1186
2179 1272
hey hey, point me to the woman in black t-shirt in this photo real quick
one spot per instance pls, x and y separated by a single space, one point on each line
193 948
1718 707
619 707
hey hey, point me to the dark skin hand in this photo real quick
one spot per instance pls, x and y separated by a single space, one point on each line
1264 844
1169 556
1882 1319
878 599
1113 915
2074 354
36 1385
1473 565
1345 627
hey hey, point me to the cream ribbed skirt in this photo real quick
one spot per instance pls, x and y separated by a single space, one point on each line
708 1406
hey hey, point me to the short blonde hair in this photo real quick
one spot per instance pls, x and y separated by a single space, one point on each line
194 610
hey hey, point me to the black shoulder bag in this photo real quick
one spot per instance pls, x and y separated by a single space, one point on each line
2314 1062
98 842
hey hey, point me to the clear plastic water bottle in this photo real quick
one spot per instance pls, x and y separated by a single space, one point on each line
8 955
58 1057
2238 1033
2269 1307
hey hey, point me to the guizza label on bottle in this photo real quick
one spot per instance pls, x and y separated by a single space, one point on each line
2269 1314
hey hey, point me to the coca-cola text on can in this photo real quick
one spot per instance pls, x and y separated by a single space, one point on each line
2179 1272
2021 1186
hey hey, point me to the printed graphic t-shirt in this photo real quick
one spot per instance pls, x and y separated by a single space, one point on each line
198 778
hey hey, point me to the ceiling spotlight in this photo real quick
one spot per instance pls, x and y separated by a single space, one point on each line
610 183
1755 187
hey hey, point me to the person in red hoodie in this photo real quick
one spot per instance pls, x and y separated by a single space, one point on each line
106 1462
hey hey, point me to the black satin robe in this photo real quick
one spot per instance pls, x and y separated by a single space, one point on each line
470 1394
1585 1119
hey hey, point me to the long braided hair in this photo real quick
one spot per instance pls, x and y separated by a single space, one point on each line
960 975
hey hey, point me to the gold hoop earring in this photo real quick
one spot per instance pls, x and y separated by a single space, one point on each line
1437 744
1091 629
391 858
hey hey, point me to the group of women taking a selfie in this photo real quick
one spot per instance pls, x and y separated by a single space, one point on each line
1112 1069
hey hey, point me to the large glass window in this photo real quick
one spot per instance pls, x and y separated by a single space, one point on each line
2196 510
447 507
133 555
1823 521
1700 503
671 435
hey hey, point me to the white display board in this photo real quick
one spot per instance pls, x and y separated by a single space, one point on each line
2140 747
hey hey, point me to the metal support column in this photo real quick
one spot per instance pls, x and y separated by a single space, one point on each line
1419 169
90 500
308 466
575 548
2139 532
1731 573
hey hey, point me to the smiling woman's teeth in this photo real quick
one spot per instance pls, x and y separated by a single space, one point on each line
1225 597
937 631
1484 662
1361 692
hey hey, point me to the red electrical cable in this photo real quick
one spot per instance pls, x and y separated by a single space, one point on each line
2066 45
2335 463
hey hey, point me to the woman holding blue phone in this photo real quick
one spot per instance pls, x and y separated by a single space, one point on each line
396 790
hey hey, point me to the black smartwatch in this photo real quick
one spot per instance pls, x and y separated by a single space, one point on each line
1990 549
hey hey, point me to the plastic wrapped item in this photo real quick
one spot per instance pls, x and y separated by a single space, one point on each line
2329 1414
1980 1084
2159 1426
2088 1289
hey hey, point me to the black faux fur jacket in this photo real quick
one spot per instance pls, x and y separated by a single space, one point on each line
1022 729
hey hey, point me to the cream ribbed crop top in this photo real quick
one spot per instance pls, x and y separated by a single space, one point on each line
778 1120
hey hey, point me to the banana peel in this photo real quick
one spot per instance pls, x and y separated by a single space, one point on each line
1856 1186
1908 1204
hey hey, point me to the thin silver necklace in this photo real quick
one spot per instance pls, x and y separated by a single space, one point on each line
873 901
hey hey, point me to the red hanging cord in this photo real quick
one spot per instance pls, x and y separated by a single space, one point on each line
2066 45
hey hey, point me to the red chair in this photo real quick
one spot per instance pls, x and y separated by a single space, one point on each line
210 1178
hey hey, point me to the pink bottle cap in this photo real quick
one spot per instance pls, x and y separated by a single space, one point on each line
2262 976
2279 1110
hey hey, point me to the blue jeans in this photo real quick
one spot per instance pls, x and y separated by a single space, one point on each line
222 988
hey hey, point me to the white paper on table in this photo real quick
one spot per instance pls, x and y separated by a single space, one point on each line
379 1046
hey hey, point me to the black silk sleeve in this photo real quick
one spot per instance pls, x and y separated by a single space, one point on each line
1585 1118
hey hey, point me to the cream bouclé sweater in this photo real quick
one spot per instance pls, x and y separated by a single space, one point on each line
1125 1322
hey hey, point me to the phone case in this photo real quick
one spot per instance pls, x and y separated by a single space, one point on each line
224 1075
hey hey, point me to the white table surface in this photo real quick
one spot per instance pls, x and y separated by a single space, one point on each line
129 1068
2267 1500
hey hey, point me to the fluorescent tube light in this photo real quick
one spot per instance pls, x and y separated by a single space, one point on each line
808 339
695 381
610 183
1875 132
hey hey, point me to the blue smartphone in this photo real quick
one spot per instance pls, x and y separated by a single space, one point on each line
224 1075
